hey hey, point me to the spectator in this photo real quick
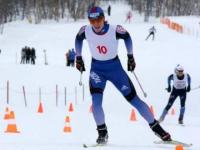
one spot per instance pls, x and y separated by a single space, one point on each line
23 55
32 56
109 10
72 55
28 54
67 58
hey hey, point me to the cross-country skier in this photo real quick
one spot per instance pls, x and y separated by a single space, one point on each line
129 16
152 32
106 66
181 85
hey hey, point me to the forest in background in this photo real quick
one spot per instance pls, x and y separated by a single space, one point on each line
37 10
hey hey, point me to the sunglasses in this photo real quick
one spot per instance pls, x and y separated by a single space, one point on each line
180 72
97 20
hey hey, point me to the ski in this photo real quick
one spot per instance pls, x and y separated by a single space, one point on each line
181 125
174 142
93 145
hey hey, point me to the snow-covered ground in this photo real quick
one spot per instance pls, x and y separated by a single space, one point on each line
155 61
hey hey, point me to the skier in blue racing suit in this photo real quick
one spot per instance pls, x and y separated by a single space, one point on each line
103 43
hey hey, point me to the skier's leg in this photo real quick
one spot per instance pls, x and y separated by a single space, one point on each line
125 86
171 100
147 37
153 36
182 109
97 85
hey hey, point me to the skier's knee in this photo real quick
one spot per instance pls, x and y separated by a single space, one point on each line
96 90
130 96
168 106
132 93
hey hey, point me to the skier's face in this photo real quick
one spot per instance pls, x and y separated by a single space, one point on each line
179 73
97 24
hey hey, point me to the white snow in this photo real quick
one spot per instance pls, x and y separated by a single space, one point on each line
155 61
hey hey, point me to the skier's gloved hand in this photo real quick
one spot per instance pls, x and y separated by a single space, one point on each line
131 62
80 64
188 88
168 89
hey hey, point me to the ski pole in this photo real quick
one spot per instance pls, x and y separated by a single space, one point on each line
144 93
80 81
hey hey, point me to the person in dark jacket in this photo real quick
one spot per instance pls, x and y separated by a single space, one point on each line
109 10
72 55
32 56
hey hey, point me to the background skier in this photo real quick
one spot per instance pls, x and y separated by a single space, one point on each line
181 85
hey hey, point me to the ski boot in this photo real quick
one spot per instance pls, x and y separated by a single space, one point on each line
180 122
103 134
158 130
180 119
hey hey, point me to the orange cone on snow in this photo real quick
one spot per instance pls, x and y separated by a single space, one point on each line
133 115
173 111
152 110
7 114
179 147
40 108
67 119
7 109
91 109
71 108
67 127
12 127
12 115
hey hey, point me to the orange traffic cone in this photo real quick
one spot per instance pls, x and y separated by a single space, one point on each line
91 109
12 127
152 110
173 111
7 114
12 115
7 109
133 116
67 127
40 108
179 147
71 108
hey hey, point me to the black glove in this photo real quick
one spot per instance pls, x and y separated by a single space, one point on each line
168 89
80 64
131 63
188 88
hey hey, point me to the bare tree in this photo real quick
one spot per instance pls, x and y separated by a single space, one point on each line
38 10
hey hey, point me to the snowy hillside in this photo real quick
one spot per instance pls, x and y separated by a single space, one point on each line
155 61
